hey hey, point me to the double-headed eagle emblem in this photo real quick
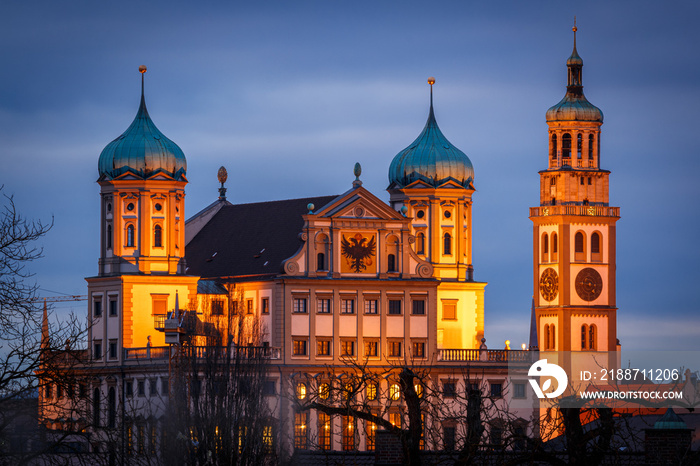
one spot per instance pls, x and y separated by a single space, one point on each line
358 252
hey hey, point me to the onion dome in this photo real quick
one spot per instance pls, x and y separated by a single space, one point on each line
431 158
142 150
574 106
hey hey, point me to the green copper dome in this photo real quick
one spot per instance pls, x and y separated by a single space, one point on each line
574 106
431 158
142 150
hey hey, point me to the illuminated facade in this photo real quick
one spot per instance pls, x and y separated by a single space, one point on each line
574 230
338 281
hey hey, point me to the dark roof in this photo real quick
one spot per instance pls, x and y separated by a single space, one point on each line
249 239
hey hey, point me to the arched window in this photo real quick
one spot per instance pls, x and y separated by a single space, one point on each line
566 146
447 244
391 263
590 146
554 247
96 407
592 337
595 247
579 247
584 336
553 147
130 236
545 247
112 408
552 337
579 146
158 236
322 246
109 236
546 336
420 243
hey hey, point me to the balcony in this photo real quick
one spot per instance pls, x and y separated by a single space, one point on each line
578 210
487 355
204 352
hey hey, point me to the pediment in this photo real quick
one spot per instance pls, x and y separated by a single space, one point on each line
359 203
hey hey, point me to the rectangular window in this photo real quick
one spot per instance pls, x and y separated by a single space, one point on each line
449 311
418 349
323 306
394 347
371 348
371 306
419 308
97 308
141 439
347 306
152 387
347 348
129 388
165 386
449 437
112 307
249 306
234 308
268 439
323 347
141 387
348 439
449 389
269 387
324 431
265 306
299 347
97 349
112 349
496 390
394 307
299 306
519 390
301 434
370 435
217 307
395 419
160 304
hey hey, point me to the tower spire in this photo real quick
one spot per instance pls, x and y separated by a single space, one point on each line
142 107
431 81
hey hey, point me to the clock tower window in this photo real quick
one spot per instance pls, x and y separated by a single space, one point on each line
447 244
566 146
553 147
579 247
130 236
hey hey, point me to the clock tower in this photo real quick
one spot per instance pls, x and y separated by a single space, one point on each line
574 230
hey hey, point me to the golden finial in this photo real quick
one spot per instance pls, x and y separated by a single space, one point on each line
142 69
574 28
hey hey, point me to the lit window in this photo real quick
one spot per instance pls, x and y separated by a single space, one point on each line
299 347
323 348
419 349
395 419
347 348
418 389
394 391
371 348
301 390
324 391
324 431
301 434
370 435
395 349
371 391
348 437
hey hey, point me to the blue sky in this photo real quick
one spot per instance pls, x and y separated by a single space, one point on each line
289 95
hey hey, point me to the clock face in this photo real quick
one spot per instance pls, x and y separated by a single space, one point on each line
549 284
589 284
